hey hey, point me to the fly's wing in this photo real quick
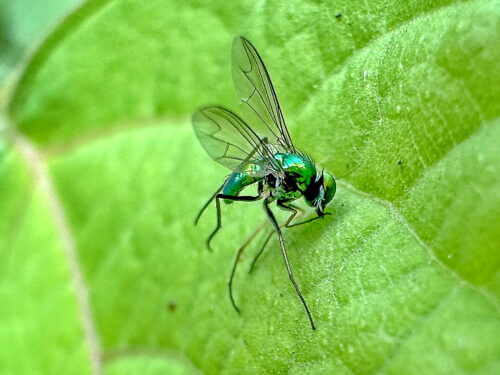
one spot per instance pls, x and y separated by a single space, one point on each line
231 142
255 90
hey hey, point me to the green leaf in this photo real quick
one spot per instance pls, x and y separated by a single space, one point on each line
402 278
154 363
23 24
40 329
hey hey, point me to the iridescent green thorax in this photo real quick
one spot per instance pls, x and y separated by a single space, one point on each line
299 172
300 167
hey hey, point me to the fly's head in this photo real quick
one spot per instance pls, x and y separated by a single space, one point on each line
320 192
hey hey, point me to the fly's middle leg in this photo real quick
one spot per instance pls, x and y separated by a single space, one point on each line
277 228
237 259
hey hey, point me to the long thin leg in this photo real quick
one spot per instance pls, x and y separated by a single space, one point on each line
295 210
237 259
235 198
290 207
250 155
308 220
256 258
207 204
287 263
217 227
285 207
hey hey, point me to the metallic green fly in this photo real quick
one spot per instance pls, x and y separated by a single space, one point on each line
261 154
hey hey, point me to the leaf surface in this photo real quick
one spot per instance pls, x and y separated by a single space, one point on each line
402 99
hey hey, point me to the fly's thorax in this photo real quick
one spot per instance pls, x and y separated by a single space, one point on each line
299 170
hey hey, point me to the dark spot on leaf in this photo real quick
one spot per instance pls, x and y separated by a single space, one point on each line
338 15
171 305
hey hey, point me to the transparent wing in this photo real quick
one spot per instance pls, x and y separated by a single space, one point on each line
231 142
255 90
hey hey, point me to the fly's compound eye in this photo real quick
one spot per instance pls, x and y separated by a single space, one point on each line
329 187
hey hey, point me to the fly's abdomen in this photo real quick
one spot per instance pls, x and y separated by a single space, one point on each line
235 183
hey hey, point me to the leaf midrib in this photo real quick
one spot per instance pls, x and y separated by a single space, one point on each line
36 166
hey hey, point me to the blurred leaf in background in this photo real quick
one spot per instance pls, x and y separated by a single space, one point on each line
101 177
23 24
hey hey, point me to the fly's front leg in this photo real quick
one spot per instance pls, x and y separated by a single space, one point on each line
271 217
309 220
290 207
295 209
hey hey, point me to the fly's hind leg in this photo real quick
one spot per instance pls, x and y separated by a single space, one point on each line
237 259
234 198
207 203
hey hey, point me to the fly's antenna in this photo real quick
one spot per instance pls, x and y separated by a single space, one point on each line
348 173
